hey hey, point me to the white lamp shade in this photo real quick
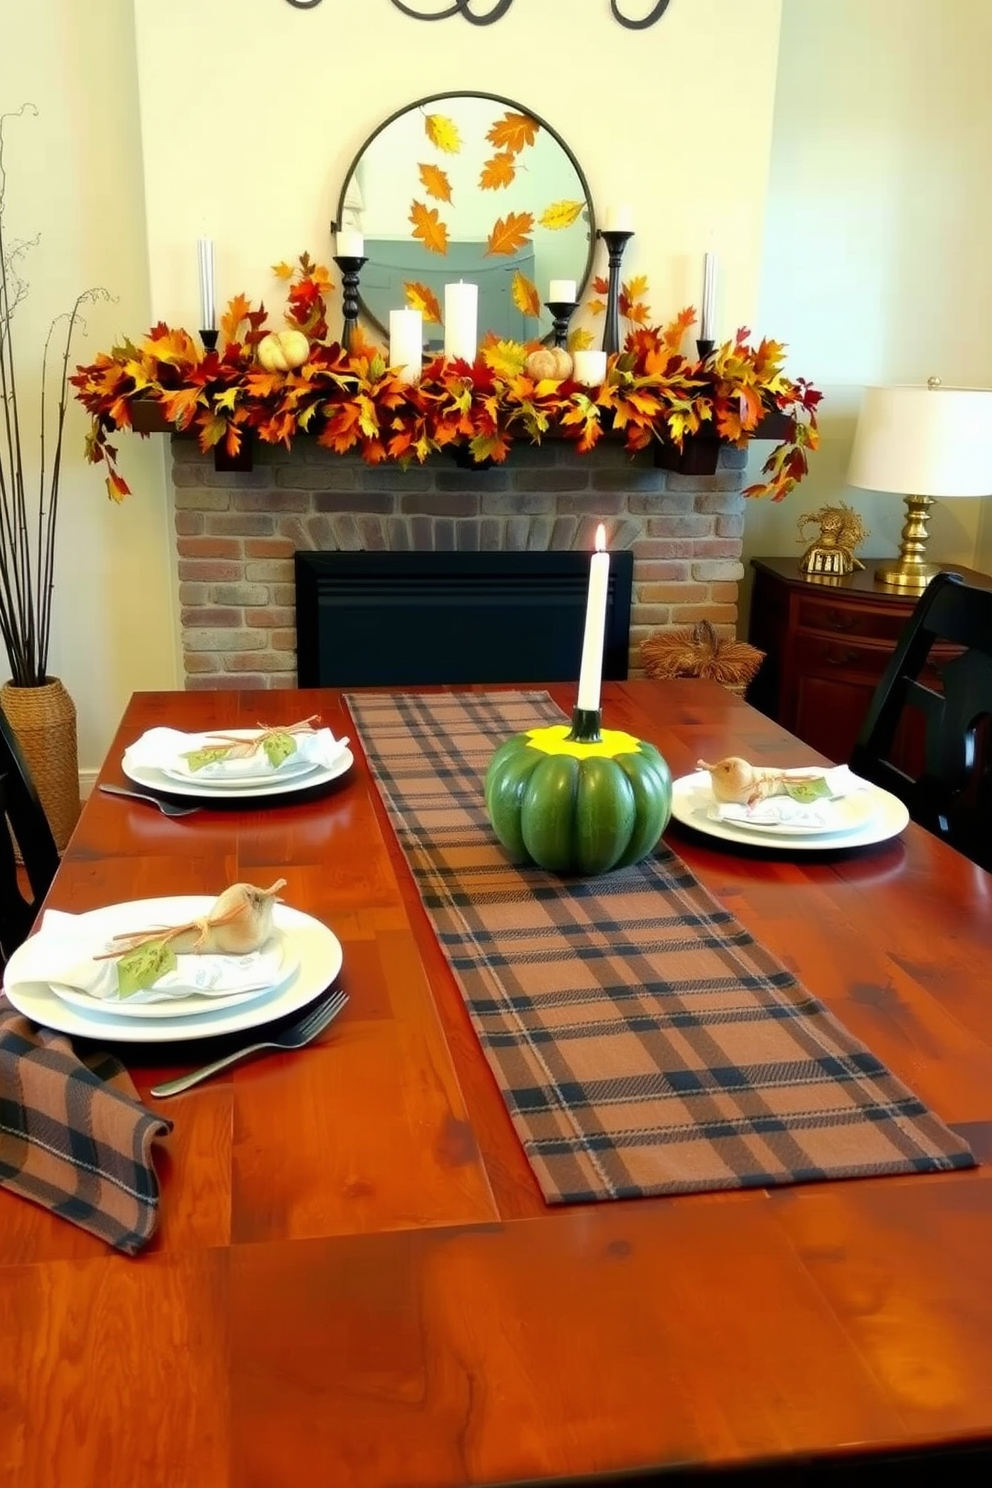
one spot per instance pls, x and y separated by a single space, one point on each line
923 441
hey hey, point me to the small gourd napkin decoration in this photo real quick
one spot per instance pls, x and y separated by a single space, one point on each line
277 744
237 923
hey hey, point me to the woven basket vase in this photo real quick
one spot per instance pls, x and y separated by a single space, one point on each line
43 720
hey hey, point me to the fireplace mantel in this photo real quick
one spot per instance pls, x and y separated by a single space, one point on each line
699 456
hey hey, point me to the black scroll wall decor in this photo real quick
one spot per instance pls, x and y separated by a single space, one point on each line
496 10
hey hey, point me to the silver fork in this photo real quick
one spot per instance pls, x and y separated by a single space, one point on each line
294 1037
167 808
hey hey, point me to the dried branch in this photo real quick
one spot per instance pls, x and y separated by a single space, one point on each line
28 528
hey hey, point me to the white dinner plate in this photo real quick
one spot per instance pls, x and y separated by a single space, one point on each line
692 800
157 780
320 959
289 770
194 1004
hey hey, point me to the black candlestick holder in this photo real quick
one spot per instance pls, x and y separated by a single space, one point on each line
351 269
615 242
561 313
704 347
209 339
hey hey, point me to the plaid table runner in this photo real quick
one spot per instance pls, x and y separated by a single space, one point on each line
73 1136
643 1041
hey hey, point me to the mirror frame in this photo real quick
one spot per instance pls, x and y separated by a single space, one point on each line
512 103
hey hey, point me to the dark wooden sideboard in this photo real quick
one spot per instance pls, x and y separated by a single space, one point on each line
827 641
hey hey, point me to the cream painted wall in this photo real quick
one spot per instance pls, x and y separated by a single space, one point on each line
876 263
252 111
74 177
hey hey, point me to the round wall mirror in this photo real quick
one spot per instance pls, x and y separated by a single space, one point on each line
475 187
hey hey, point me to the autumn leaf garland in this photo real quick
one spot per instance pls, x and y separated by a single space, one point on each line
354 401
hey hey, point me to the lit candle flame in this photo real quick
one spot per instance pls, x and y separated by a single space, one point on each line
601 538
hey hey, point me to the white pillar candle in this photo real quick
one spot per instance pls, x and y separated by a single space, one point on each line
350 244
617 219
461 315
708 316
562 291
406 343
589 367
591 671
208 287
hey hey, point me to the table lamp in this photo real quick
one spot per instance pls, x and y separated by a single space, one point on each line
922 442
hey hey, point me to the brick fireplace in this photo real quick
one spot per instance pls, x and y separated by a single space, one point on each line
237 533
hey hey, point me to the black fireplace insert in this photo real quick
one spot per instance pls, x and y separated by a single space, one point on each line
394 619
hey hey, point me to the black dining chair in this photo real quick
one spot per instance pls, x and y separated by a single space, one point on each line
22 817
927 736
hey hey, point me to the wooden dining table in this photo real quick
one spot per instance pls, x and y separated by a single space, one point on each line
355 1280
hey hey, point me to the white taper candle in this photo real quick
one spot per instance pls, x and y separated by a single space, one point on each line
708 316
208 287
591 670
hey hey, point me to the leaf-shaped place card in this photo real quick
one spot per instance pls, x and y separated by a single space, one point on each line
279 747
208 754
808 791
141 968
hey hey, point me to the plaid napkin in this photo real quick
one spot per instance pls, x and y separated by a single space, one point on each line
73 1136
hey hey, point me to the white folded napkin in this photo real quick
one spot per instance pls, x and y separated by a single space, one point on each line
165 749
63 954
829 813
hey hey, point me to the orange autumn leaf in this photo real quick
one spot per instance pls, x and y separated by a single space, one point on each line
420 297
596 307
180 406
510 233
513 132
236 312
171 346
426 226
443 132
435 182
560 214
673 334
525 295
631 304
497 172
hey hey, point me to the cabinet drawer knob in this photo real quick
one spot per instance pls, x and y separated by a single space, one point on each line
840 658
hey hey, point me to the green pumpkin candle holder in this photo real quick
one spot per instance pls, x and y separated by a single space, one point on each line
578 799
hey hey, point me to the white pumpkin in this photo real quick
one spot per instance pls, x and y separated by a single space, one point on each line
549 362
281 351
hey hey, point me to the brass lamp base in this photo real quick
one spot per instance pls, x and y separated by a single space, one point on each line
911 570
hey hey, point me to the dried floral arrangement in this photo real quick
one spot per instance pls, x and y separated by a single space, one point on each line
352 400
